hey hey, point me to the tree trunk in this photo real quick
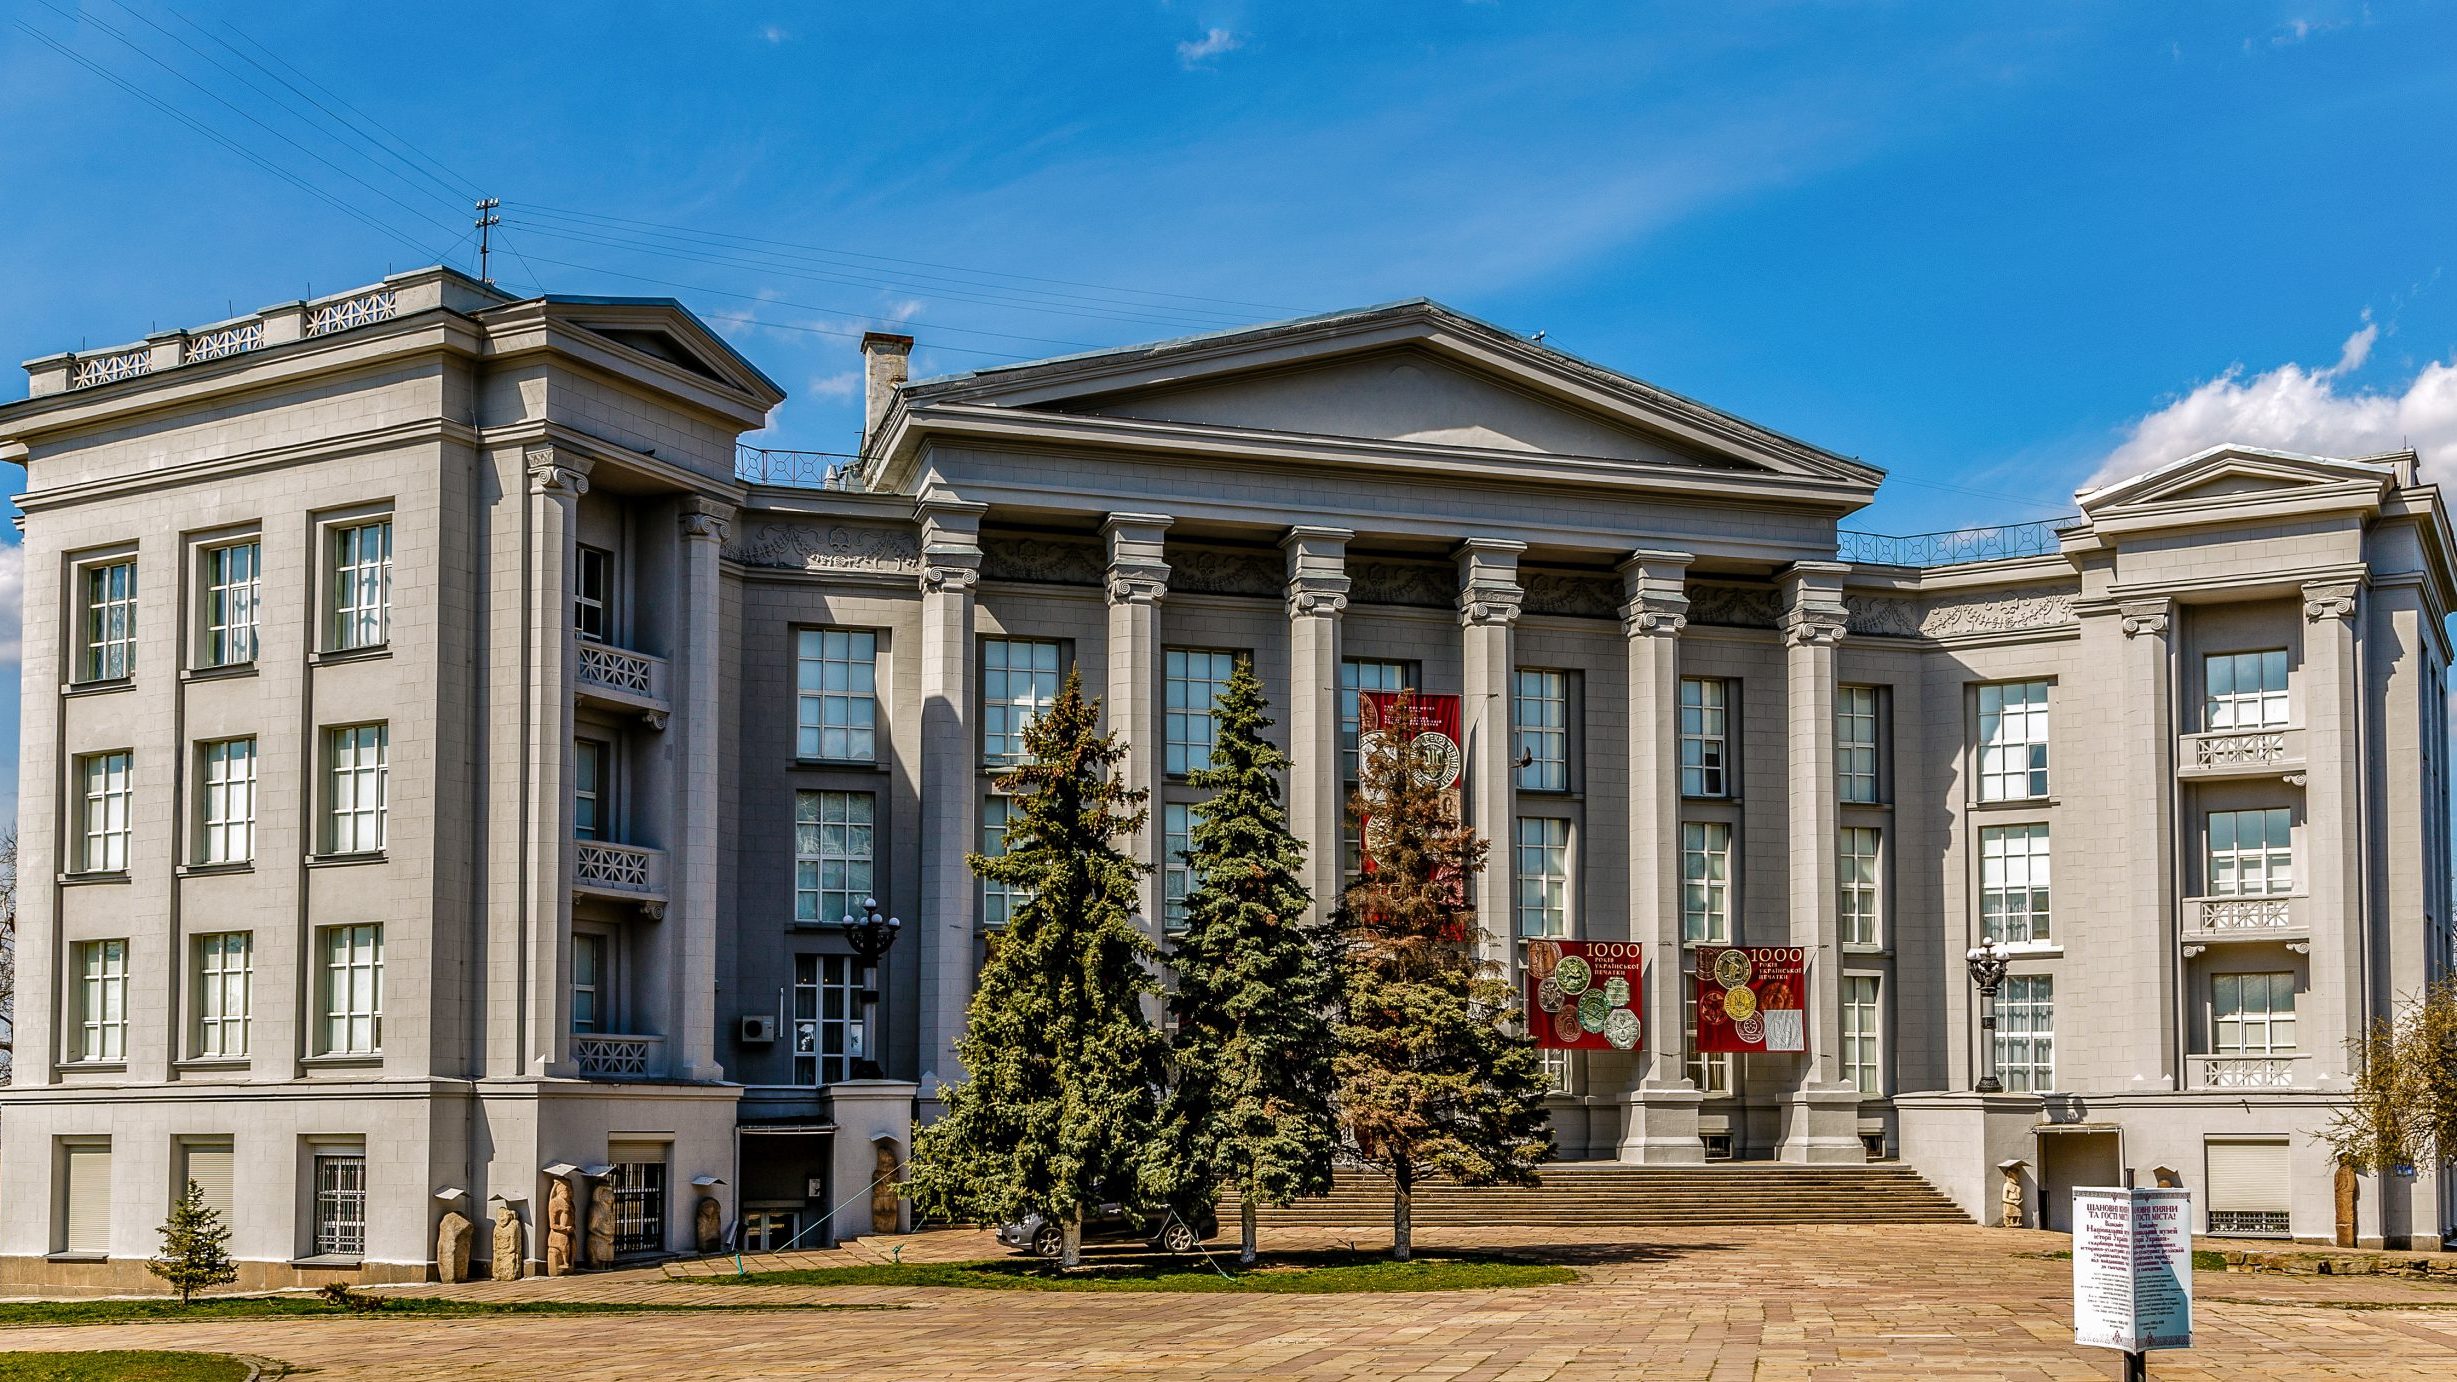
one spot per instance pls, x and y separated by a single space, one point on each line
1070 1241
1245 1220
1403 1217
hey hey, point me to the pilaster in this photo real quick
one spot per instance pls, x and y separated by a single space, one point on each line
1138 580
950 569
1489 601
1662 1126
2333 823
556 482
1822 1122
699 704
2150 883
1317 593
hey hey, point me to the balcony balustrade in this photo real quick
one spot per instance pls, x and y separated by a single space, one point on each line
2276 1071
627 873
618 1056
2270 918
2225 753
625 679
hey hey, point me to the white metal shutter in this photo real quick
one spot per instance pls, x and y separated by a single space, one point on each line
2248 1186
211 1168
88 1201
621 1153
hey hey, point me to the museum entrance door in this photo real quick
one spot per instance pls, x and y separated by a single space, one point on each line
2075 1156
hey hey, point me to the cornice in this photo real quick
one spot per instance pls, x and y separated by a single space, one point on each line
598 451
251 462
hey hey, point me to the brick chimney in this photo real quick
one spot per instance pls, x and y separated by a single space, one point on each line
886 364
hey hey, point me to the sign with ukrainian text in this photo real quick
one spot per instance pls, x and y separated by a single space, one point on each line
1752 998
2132 1268
1584 995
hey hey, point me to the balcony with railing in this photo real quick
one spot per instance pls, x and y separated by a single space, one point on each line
2268 751
2276 1070
618 1056
836 470
1954 547
2273 918
620 873
624 680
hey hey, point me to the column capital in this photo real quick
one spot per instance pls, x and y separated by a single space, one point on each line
1654 601
705 520
1317 571
554 473
950 543
2146 616
1489 590
1813 614
2332 599
1138 573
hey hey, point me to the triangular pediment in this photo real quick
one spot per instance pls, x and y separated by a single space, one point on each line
663 330
2239 475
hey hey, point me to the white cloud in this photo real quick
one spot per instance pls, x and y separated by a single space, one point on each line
773 33
847 384
1214 42
2296 408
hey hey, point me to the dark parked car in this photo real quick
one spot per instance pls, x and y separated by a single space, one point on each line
1115 1223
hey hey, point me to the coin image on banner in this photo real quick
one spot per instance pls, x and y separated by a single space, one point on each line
1565 1024
1732 968
1436 759
1740 1005
1542 958
1621 1029
1549 996
1750 1029
1616 991
1573 974
1592 1009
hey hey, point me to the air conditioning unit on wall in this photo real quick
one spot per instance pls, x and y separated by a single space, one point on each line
758 1028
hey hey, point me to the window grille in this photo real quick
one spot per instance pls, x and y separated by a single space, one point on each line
836 680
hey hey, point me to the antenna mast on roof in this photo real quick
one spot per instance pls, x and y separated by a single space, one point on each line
486 223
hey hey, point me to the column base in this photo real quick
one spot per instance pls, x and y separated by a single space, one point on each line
1822 1127
1661 1127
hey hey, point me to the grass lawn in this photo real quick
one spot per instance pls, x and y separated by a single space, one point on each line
1277 1274
286 1307
121 1365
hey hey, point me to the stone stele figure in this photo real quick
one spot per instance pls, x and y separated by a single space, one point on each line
886 1211
2011 1195
508 1246
452 1247
708 1224
558 1227
601 1225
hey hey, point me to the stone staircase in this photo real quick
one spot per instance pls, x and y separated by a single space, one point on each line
1611 1195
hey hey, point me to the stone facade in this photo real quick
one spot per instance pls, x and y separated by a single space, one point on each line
653 729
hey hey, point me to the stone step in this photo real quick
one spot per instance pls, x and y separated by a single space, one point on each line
1612 1195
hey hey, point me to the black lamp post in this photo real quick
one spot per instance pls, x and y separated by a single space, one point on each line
1988 961
871 937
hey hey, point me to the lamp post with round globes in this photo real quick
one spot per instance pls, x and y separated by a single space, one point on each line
1988 961
871 936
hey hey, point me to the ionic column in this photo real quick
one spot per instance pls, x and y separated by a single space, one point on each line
1317 592
1822 1122
2333 796
699 704
2150 891
950 568
556 483
1138 581
1662 1123
1489 600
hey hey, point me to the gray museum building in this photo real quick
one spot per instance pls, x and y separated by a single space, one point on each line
450 760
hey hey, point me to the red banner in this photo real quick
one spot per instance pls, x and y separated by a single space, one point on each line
1426 729
1753 998
1584 995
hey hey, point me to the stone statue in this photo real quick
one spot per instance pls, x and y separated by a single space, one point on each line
601 1225
2010 1196
508 1246
452 1238
2166 1177
886 1208
558 1227
708 1224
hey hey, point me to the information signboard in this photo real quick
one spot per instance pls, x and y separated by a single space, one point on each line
1584 995
2132 1268
1752 998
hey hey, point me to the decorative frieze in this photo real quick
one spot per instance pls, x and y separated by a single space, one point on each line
1213 571
1402 583
1999 613
1881 616
1734 606
1045 561
1568 593
839 547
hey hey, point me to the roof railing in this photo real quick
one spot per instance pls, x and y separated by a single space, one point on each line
760 465
1955 547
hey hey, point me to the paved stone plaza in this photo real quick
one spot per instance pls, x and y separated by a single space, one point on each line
1700 1303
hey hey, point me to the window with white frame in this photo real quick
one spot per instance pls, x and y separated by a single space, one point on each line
2251 853
102 1000
109 601
593 594
229 826
2013 740
1710 1071
1863 1056
109 789
1557 1070
1019 680
2252 1014
592 971
2244 690
352 987
1855 743
1540 727
1855 876
341 1203
827 1018
2026 1033
836 695
1355 676
1706 882
2013 882
362 585
1176 874
356 788
998 900
225 993
592 760
234 581
1543 859
1194 679
1706 746
831 854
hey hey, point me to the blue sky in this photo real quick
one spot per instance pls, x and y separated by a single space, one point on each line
1996 249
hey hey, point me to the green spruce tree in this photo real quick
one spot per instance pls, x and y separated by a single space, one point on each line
195 1246
1430 1080
1063 1069
1250 1112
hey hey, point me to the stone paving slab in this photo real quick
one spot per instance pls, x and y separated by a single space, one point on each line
1814 1303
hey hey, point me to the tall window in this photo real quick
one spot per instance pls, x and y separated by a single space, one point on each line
356 789
1355 676
1855 743
353 988
2244 690
639 1206
233 582
589 986
590 797
2013 740
109 790
593 594
2026 1033
1558 1071
1855 872
2251 852
836 692
1195 679
1711 1072
1706 881
1176 875
341 1204
102 1000
1544 876
362 585
229 835
1862 1055
827 1011
1705 737
225 991
1540 727
2013 882
2252 1014
831 854
110 621
1019 679
998 900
